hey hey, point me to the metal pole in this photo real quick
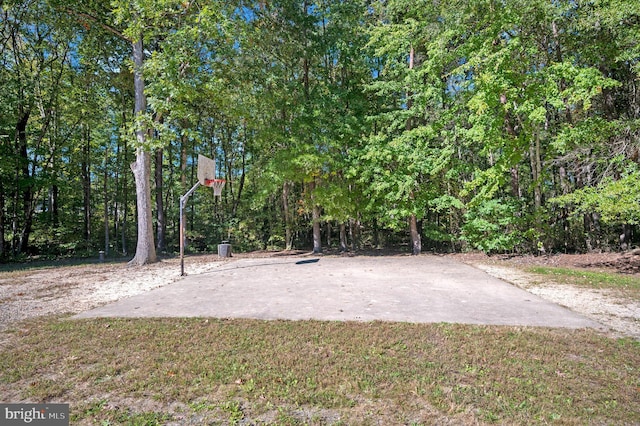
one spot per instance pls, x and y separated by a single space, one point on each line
183 201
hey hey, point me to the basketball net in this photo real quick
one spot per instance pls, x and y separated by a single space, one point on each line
217 185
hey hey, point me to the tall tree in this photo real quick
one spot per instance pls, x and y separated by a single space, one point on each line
145 248
136 21
35 58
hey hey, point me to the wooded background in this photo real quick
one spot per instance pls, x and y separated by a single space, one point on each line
499 125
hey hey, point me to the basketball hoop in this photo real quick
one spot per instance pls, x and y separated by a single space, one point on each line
206 176
216 184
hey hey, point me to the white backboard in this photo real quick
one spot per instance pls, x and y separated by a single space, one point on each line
206 169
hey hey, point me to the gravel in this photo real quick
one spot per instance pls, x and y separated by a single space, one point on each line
74 289
621 316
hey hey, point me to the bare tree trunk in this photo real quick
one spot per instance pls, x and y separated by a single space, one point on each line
317 242
536 171
125 209
145 248
315 212
588 230
564 186
416 240
105 195
354 233
288 234
236 199
376 234
54 194
161 221
183 163
516 191
1 219
121 205
625 237
27 192
86 187
14 216
343 238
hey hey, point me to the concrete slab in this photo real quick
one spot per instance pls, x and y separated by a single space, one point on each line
418 289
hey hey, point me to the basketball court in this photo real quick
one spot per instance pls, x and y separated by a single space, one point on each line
417 289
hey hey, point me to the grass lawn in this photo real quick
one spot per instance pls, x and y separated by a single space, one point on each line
626 285
204 371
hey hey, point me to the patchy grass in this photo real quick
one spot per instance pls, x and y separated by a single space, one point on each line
629 285
203 371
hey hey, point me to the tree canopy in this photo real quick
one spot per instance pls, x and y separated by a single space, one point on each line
503 126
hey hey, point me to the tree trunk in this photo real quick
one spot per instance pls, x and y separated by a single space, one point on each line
105 204
515 182
416 243
354 224
376 234
54 211
183 163
317 238
625 237
343 238
1 220
288 234
120 197
86 187
161 222
236 200
145 248
416 240
536 171
315 214
588 229
125 205
564 186
27 191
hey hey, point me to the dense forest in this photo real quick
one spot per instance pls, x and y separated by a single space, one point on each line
426 125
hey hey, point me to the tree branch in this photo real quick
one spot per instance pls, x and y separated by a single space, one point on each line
101 24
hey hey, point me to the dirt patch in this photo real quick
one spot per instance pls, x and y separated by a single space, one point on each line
73 289
627 262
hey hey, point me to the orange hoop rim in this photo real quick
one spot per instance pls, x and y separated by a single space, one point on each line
216 184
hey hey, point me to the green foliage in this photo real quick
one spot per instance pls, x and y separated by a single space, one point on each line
492 226
530 101
616 201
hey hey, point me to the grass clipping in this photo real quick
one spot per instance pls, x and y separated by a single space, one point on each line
203 371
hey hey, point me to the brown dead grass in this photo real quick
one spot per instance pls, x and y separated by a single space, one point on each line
198 371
